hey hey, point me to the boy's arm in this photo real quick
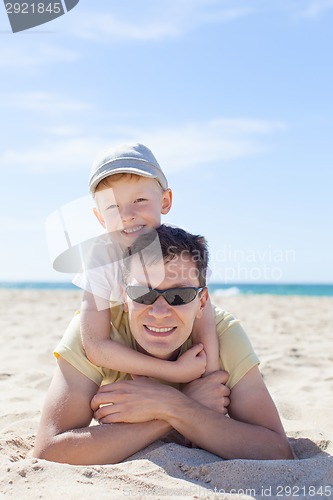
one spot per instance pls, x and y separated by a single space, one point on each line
101 350
204 332
95 325
64 435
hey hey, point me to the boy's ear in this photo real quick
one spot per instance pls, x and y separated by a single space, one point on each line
99 217
166 201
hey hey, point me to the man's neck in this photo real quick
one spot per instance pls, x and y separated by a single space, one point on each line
170 357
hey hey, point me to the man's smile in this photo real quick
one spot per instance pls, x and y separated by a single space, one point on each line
161 331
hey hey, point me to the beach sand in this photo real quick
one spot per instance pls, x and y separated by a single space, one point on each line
293 338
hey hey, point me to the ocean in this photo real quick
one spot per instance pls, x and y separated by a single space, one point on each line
310 289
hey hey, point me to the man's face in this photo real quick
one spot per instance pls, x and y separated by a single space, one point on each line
160 329
131 206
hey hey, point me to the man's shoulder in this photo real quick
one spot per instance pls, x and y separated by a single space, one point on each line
223 318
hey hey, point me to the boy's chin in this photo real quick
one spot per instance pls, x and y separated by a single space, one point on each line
122 238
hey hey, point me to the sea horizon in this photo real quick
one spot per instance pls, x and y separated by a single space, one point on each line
304 289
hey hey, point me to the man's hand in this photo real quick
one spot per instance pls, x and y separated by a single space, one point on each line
210 391
143 399
132 401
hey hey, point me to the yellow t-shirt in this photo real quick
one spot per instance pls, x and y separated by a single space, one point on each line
237 356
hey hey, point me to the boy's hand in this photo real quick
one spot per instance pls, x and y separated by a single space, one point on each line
191 365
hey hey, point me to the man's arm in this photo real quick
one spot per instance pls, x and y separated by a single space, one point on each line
253 431
64 435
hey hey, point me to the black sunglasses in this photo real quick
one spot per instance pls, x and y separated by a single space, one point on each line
174 296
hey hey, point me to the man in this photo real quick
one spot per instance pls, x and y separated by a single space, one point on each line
158 317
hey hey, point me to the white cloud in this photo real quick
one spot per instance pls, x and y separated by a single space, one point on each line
41 101
64 131
52 157
315 8
32 54
175 148
211 141
170 19
17 225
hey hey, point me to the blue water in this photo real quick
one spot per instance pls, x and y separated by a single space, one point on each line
36 285
317 290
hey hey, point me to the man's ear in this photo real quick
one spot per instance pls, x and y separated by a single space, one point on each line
202 301
166 201
99 217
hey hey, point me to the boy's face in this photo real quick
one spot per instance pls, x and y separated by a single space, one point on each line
131 206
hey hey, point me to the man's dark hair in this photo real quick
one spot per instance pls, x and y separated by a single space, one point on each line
169 242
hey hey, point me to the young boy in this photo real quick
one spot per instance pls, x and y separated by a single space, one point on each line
131 193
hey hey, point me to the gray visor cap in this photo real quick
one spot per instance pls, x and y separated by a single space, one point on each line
130 159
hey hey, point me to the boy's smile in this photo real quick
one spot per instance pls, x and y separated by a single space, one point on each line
132 230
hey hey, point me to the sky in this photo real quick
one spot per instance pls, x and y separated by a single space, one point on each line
234 98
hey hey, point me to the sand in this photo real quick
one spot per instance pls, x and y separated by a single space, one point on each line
293 337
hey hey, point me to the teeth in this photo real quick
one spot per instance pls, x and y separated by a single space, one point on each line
132 229
160 330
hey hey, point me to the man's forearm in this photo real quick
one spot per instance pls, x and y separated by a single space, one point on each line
255 432
208 428
224 436
102 444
